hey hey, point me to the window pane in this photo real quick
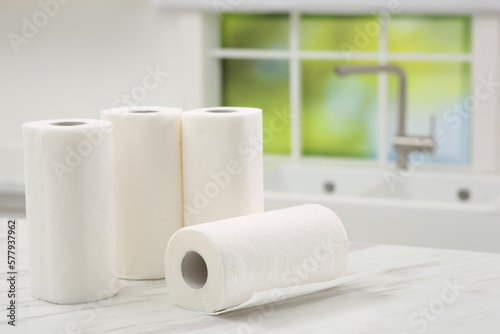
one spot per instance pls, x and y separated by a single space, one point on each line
346 33
429 34
253 31
438 88
338 113
262 84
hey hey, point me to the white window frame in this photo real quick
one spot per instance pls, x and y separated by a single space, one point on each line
201 52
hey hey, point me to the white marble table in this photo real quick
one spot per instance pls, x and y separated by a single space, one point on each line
420 290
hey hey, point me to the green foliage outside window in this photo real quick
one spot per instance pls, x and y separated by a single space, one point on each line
339 115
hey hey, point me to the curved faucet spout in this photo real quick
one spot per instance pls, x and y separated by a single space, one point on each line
344 70
402 144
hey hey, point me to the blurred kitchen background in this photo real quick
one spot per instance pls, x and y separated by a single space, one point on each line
328 138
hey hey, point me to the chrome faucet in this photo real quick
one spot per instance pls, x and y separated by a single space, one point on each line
403 144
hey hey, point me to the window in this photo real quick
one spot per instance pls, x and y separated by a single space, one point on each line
285 62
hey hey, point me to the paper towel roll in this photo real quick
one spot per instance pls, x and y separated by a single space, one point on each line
222 163
148 186
69 202
250 260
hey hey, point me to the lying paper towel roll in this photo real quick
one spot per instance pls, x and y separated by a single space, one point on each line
148 186
222 163
69 208
255 259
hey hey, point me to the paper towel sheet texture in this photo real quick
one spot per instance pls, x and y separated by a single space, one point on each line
69 207
219 266
222 163
148 186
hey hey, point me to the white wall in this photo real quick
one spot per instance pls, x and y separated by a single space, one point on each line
85 57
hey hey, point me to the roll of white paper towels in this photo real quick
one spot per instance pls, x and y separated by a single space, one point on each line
222 163
69 208
255 259
148 186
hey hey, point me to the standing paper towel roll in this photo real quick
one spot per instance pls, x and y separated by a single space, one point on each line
222 163
148 186
69 208
256 259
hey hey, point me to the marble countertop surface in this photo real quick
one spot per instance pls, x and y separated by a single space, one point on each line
419 290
